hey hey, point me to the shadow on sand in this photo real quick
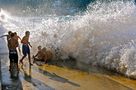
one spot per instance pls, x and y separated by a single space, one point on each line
36 83
56 77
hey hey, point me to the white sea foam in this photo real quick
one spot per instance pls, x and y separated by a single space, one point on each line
104 35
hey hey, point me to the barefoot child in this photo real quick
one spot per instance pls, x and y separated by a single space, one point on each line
13 55
25 47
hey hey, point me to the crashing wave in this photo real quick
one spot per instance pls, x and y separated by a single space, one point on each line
104 35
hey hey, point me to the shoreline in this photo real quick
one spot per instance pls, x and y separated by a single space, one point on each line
91 77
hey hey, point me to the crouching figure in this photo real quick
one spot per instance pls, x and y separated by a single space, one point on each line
43 55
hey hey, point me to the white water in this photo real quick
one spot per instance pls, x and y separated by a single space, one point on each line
104 35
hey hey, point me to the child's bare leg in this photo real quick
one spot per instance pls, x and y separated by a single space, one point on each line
29 57
21 60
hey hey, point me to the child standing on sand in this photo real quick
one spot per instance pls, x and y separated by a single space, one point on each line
25 47
13 55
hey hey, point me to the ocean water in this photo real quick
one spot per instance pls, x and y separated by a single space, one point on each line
101 32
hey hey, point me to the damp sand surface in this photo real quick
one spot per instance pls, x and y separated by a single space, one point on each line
52 77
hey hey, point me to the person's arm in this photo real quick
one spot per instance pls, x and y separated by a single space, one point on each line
3 36
36 55
19 50
29 44
17 45
22 40
19 38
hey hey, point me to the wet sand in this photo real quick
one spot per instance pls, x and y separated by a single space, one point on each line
52 77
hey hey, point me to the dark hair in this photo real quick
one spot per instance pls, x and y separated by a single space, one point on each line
15 33
9 32
12 35
27 32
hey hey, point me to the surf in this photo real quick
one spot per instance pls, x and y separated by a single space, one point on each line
103 35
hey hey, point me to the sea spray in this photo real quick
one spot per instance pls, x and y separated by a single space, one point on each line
103 35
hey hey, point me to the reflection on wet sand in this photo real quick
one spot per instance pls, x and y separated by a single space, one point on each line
36 83
58 78
8 83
